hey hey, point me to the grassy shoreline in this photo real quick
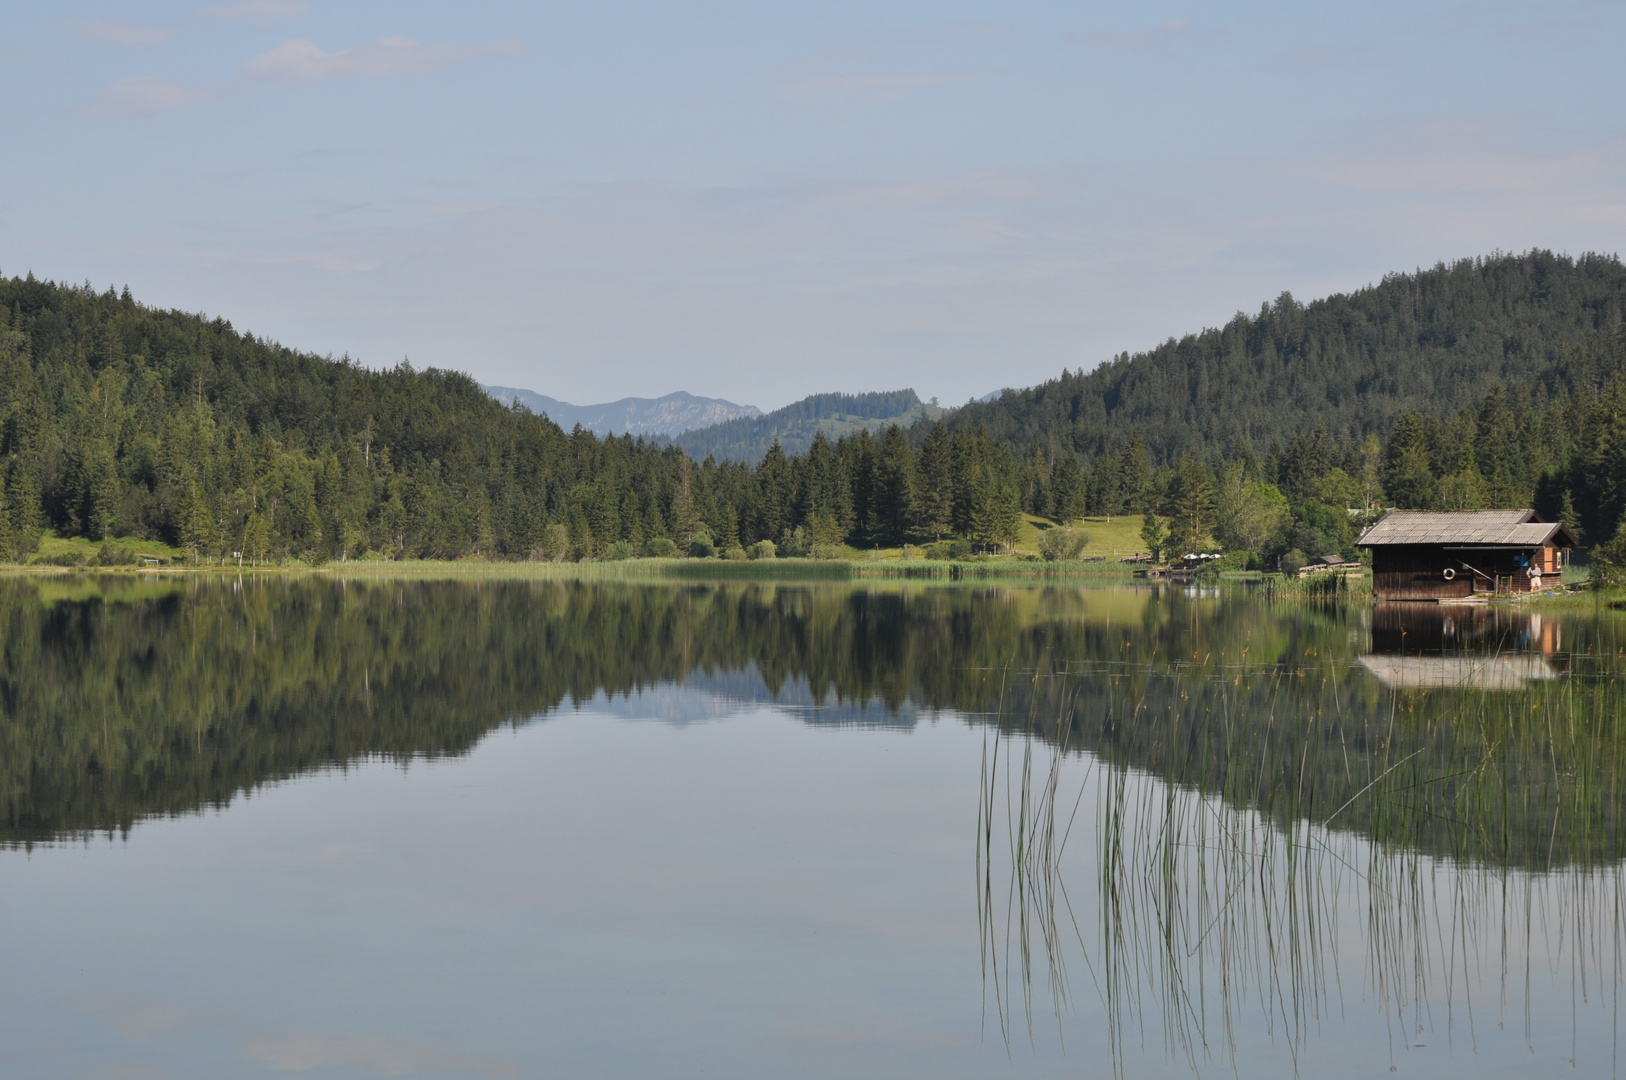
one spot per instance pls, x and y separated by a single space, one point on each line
1006 569
60 556
627 570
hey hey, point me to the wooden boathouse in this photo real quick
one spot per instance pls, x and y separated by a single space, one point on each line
1460 554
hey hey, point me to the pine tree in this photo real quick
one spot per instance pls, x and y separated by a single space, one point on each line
1609 560
936 496
1569 518
728 528
1193 499
8 537
774 485
685 522
1068 490
894 488
1371 472
197 523
1007 515
827 535
23 503
1464 489
256 538
1133 475
1151 534
102 495
996 515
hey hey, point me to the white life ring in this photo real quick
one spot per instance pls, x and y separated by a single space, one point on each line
1449 574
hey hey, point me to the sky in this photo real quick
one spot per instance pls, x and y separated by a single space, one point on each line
763 201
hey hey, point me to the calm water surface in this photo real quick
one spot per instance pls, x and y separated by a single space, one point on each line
278 827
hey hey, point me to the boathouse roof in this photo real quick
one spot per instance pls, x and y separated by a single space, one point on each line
1476 528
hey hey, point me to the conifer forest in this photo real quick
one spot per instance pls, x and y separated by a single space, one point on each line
1491 382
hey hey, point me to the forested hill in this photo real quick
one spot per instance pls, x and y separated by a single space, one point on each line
747 439
117 419
1539 325
123 421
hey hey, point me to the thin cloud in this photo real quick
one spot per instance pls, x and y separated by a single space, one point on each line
257 10
125 35
303 1051
30 56
895 83
1467 170
1551 29
304 61
980 189
143 95
1319 59
139 1019
1140 37
458 209
335 260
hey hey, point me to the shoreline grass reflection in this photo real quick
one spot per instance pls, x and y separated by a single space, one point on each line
1210 916
1035 898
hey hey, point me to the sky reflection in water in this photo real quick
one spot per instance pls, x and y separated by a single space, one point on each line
282 828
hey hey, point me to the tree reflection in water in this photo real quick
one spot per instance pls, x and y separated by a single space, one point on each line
1470 845
1195 802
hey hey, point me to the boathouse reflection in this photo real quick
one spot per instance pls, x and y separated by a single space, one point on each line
1433 646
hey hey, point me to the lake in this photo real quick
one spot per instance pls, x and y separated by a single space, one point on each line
280 826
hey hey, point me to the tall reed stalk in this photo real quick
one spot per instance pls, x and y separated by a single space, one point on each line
1224 907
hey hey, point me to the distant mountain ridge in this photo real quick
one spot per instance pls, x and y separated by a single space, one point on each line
748 438
669 415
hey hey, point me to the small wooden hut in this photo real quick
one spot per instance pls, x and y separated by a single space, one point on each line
1458 554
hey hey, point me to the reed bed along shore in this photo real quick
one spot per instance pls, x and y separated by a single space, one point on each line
1500 758
1234 815
1329 586
1236 827
1202 929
